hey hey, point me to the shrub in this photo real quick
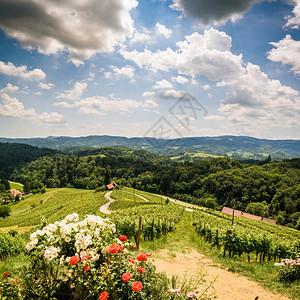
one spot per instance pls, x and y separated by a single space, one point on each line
75 259
10 246
289 269
4 211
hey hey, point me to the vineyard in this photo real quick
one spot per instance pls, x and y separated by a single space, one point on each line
247 238
157 217
10 246
146 218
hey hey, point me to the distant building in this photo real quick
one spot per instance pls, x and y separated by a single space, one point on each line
111 186
238 213
229 211
14 192
269 220
252 217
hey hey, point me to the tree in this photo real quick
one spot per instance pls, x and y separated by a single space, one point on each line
210 203
5 183
259 209
4 211
107 175
27 187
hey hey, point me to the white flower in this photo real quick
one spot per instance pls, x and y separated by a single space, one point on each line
67 239
51 253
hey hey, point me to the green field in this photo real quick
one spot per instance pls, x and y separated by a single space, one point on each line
192 156
54 205
15 185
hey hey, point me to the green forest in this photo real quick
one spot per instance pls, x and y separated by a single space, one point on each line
269 189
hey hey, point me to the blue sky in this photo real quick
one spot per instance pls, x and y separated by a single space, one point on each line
161 68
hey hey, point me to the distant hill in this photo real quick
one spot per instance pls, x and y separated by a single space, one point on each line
234 146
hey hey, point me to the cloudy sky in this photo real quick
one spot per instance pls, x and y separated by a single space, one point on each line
162 68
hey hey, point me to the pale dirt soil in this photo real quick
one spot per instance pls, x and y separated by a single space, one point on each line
228 286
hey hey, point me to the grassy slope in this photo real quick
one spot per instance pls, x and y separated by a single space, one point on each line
17 186
54 205
57 203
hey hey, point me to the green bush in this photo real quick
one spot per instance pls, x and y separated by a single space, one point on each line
4 211
289 269
10 246
85 259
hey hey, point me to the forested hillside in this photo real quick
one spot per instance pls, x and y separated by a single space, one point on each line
14 155
212 183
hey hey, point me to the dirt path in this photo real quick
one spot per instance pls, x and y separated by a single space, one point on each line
228 286
143 198
104 208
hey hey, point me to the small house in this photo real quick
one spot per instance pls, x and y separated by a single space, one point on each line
229 211
111 186
14 192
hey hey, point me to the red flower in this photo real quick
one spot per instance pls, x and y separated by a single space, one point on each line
126 277
6 274
74 260
103 296
123 238
86 268
114 248
149 254
83 258
131 260
141 256
140 270
137 286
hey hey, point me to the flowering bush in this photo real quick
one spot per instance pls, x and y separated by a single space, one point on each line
74 259
289 269
9 287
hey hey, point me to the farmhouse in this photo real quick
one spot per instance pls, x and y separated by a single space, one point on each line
14 192
111 186
238 213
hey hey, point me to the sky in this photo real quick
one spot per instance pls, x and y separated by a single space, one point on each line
157 68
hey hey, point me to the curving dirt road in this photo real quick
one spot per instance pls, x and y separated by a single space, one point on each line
104 208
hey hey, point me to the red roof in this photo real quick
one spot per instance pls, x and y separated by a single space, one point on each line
229 211
111 185
269 220
14 192
253 217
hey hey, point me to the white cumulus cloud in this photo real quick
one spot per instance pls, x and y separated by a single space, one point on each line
163 30
180 79
208 54
46 86
75 93
255 102
12 107
162 84
10 69
294 21
127 71
287 51
83 28
9 89
99 105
